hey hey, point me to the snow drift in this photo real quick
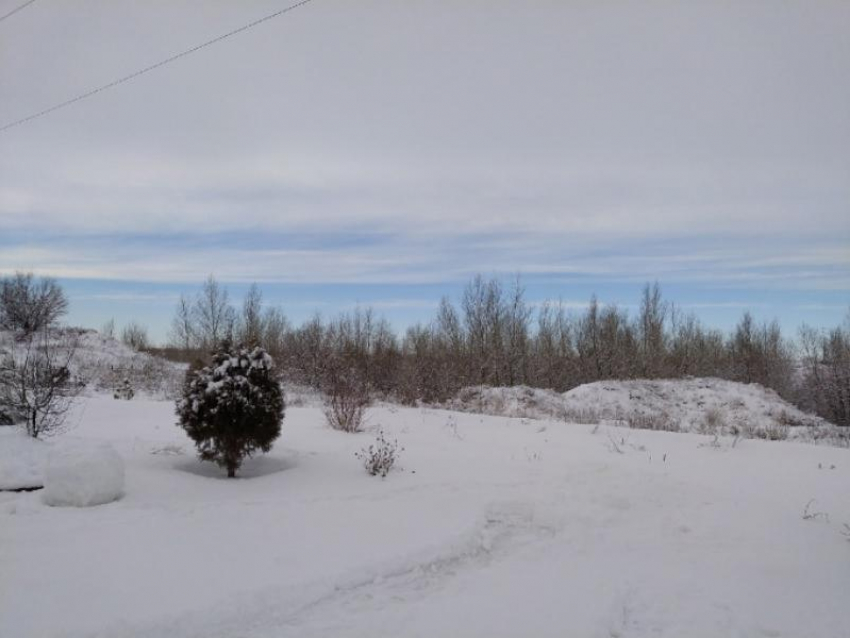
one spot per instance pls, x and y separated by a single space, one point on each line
705 405
22 460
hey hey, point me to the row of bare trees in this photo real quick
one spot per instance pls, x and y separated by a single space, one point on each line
495 337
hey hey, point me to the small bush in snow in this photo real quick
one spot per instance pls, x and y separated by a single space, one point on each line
232 407
776 432
124 391
660 421
712 421
582 416
347 398
379 458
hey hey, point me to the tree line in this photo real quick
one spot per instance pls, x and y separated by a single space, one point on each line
495 337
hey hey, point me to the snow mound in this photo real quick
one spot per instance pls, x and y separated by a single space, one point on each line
703 405
691 405
80 476
22 460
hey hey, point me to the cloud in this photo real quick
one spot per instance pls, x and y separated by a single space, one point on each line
366 143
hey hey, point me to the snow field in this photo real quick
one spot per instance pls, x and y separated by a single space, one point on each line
493 526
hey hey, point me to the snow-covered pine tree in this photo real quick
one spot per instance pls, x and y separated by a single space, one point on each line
233 407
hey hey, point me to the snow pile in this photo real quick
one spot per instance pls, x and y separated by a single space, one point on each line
703 405
82 476
692 405
22 460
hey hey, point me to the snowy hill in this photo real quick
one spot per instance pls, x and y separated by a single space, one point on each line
703 405
102 363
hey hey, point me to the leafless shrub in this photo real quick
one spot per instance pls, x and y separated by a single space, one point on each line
584 416
774 432
347 399
108 329
660 421
36 383
379 458
135 335
124 391
713 421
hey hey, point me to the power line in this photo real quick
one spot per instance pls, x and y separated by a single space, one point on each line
16 9
136 74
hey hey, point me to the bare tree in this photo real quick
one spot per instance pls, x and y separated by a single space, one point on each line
553 354
108 329
275 332
251 322
135 335
27 305
213 317
182 334
650 329
517 317
588 343
826 377
484 313
35 381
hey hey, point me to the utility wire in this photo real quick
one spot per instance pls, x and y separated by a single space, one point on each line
16 9
136 74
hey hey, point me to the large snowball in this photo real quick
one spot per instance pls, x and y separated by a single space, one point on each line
82 476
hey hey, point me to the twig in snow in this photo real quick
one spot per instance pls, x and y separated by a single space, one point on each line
809 515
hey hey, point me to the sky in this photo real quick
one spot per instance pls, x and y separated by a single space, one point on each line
383 153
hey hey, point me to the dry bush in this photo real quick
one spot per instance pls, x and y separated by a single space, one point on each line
379 458
36 386
347 397
582 416
785 418
713 421
660 421
776 432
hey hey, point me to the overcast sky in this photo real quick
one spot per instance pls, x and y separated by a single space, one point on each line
384 152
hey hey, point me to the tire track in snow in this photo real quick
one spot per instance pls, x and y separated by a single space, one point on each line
323 609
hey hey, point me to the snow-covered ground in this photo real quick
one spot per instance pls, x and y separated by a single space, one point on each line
492 527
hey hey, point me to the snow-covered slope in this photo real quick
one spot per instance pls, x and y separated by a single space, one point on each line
690 404
704 405
102 363
491 527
